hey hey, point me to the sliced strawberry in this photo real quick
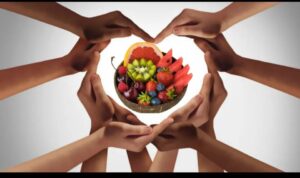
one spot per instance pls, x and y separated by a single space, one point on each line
176 66
182 82
181 72
166 60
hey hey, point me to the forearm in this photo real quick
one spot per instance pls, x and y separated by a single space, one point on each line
280 77
139 162
97 163
164 161
48 12
229 158
17 79
65 158
205 164
238 11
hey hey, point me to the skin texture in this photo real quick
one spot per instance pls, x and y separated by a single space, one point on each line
195 23
95 29
18 79
276 76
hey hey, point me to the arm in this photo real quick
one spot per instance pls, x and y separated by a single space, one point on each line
227 157
94 29
17 79
239 11
65 158
48 12
139 161
280 77
164 161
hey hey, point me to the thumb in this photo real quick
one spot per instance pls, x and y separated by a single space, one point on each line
206 85
94 58
97 87
211 67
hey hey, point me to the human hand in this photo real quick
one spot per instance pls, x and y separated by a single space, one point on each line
178 135
131 137
193 23
222 55
93 97
217 96
80 58
196 111
111 25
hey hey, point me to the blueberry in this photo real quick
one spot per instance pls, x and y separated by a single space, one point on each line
160 87
152 94
159 69
155 101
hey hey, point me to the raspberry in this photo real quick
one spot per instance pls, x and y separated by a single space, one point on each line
122 87
122 70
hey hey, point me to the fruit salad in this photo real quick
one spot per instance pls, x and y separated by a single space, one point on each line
149 77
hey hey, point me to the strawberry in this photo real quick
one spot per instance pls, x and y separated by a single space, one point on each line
144 99
122 70
166 60
182 82
165 77
151 86
176 66
122 87
171 94
163 96
181 72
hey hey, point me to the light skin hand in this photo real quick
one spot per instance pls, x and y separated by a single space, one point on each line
225 59
18 79
193 23
95 29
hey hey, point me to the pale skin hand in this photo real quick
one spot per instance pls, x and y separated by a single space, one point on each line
18 79
94 29
193 23
193 112
280 77
116 134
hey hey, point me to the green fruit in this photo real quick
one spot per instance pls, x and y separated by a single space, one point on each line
141 70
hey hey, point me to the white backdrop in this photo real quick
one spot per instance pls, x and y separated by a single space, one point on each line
255 119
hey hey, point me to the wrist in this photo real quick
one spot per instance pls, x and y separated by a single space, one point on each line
237 65
198 143
223 19
102 142
80 24
67 66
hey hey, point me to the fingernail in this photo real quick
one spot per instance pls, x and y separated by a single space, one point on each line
148 130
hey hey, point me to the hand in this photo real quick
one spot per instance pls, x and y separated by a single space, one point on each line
178 135
111 25
93 97
222 55
196 111
79 59
217 96
193 23
131 137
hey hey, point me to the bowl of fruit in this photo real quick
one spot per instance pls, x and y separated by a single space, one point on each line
150 81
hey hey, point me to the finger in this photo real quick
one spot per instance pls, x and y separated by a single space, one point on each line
136 30
211 67
134 130
161 127
97 87
100 46
191 30
116 33
203 45
206 85
134 120
94 58
168 30
185 111
80 45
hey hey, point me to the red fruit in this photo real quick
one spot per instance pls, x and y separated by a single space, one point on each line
165 77
176 66
166 60
182 82
122 70
143 103
151 86
122 87
163 96
131 94
182 72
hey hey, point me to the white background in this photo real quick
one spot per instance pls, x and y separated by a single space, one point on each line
255 119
